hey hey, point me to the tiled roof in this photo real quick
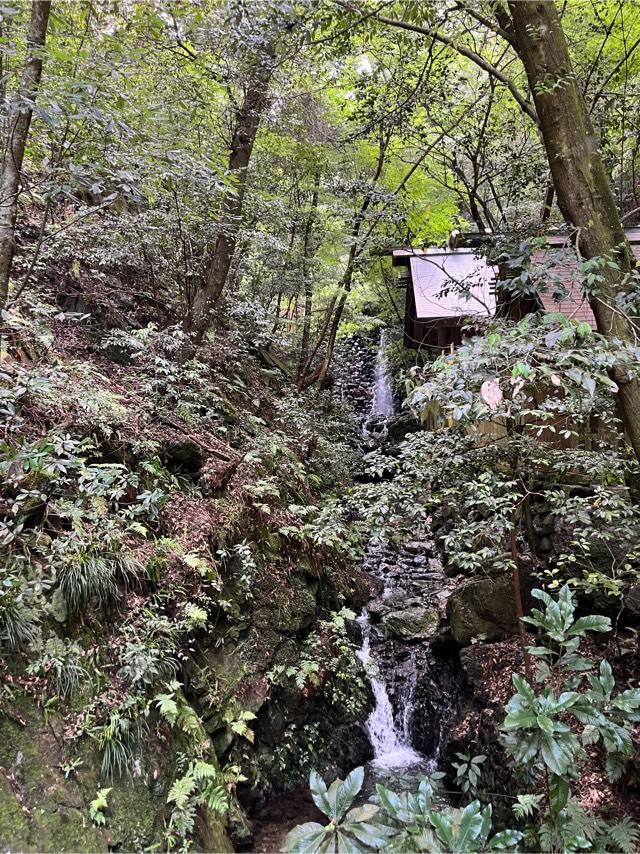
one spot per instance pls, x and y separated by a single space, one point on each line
435 272
563 277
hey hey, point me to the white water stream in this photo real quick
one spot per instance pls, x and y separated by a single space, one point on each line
391 748
382 403
391 745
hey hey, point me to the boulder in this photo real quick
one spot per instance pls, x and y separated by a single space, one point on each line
399 426
632 601
413 623
484 607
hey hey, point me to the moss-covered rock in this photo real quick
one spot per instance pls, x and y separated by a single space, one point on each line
44 804
413 623
483 607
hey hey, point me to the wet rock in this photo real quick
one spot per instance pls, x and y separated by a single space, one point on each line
414 623
482 607
632 601
399 426
414 547
376 609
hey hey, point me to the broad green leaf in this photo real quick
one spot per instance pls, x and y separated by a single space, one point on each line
559 791
363 813
319 793
545 724
470 826
566 700
606 677
576 663
305 838
590 623
539 651
505 839
556 755
332 798
628 701
347 792
346 844
523 687
444 828
374 835
389 800
519 720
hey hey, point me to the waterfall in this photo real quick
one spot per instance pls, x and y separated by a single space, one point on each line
389 733
391 749
382 404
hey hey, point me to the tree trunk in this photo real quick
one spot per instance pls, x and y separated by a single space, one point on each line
18 125
356 244
321 371
248 120
306 277
582 186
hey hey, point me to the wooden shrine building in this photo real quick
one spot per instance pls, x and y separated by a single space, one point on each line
446 288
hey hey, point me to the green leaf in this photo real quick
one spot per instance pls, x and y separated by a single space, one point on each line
444 828
363 813
306 838
347 844
523 688
519 719
319 793
471 823
389 800
590 623
347 792
539 651
505 839
606 677
576 663
556 755
559 791
373 835
545 724
628 701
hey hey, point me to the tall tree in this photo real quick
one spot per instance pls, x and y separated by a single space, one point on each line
582 185
247 122
21 112
306 275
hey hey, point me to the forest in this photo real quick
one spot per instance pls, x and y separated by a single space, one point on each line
320 425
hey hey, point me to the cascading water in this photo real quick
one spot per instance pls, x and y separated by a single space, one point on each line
382 403
390 748
390 743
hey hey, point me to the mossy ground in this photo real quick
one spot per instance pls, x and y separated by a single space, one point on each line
190 467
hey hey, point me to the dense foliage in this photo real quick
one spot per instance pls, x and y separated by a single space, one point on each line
198 203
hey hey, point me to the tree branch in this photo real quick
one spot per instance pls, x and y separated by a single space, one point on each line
478 60
613 72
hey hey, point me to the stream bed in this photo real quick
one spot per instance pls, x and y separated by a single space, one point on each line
406 652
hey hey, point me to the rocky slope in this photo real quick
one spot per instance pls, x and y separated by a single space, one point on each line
174 577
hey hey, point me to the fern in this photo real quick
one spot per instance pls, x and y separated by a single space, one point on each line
203 771
527 805
167 707
189 722
215 797
615 765
624 836
181 791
